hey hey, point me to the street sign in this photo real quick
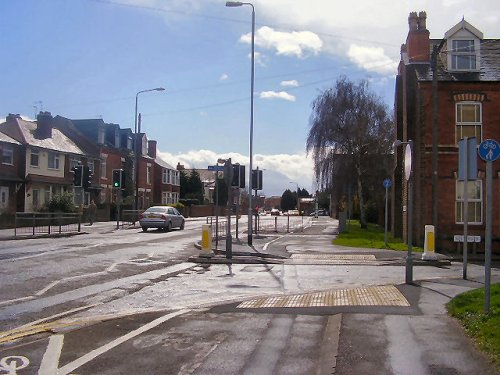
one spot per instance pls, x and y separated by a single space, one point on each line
216 168
489 150
387 183
460 238
467 157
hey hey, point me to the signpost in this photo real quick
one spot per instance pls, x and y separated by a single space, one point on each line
489 151
387 184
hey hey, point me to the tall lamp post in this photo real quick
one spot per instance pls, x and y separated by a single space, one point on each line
298 198
238 4
137 146
409 179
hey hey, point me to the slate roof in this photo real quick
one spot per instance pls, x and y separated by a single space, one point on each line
58 142
162 163
5 138
489 65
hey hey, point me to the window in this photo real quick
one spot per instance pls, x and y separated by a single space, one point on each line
103 167
73 163
148 175
53 160
177 178
4 197
8 155
469 121
463 55
164 176
163 197
90 164
47 194
34 158
35 198
475 202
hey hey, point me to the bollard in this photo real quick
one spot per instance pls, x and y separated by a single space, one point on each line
429 253
206 241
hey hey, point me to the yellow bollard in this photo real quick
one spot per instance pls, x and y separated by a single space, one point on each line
206 241
429 244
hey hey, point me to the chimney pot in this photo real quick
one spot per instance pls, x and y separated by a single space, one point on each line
44 125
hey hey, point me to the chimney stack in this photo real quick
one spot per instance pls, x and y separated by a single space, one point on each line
44 125
417 41
152 149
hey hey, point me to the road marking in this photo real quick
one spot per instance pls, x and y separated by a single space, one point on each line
333 259
387 295
50 360
67 369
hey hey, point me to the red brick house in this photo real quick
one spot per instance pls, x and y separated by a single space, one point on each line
436 105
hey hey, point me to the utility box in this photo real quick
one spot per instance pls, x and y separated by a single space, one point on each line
342 221
206 241
429 244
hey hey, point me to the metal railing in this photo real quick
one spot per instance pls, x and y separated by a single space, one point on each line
281 224
36 223
130 217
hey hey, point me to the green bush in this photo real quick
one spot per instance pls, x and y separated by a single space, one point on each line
61 203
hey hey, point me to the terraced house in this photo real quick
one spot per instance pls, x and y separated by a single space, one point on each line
446 89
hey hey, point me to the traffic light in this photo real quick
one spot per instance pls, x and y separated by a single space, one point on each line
86 177
77 176
117 178
257 179
238 176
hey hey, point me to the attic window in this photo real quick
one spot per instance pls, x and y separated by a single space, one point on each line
463 55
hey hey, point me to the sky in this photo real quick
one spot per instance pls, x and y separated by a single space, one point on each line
89 58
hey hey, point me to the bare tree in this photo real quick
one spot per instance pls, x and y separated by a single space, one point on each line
350 129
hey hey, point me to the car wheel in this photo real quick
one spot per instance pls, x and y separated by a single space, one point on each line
169 227
144 229
182 225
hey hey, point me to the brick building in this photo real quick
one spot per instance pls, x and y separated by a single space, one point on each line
446 89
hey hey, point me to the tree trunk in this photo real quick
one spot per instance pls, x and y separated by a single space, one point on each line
362 218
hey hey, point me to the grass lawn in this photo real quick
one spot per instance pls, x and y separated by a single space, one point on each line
372 238
468 308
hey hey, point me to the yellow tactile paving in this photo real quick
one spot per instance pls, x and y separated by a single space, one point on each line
387 295
332 259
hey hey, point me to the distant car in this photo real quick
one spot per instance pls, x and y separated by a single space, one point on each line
161 217
293 213
275 212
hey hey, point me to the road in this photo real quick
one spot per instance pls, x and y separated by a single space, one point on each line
128 302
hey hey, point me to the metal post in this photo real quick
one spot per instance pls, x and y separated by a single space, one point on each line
251 131
229 238
118 199
217 208
465 211
409 257
487 238
386 213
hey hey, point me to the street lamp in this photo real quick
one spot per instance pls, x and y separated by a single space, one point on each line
298 198
238 4
409 179
137 130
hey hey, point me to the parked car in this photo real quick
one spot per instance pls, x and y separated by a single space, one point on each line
162 217
293 213
320 212
275 212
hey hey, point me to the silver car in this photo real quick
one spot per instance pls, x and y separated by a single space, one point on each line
162 217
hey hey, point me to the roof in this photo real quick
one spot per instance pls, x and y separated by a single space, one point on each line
5 138
489 62
162 163
463 25
58 141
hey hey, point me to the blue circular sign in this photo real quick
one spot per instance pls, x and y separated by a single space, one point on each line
489 150
387 183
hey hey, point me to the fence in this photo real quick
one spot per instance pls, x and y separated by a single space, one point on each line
130 217
34 223
281 224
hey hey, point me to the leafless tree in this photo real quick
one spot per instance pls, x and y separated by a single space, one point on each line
351 130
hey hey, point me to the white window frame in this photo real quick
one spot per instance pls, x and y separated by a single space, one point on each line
164 176
7 153
475 202
53 158
148 174
73 162
34 155
103 167
469 52
460 124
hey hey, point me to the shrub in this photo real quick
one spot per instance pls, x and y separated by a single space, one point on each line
61 203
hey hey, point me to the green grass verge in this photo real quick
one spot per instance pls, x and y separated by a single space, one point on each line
468 308
371 238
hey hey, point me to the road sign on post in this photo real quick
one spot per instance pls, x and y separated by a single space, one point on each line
489 151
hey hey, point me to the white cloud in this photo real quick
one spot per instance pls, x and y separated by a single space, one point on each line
279 169
277 95
291 83
295 43
223 77
372 59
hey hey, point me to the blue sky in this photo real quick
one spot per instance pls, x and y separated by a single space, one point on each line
89 58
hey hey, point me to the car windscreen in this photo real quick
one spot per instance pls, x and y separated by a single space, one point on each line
156 209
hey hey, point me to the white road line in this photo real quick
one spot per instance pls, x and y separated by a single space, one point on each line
50 360
270 242
65 370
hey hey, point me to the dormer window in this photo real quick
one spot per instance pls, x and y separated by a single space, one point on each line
463 42
463 55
